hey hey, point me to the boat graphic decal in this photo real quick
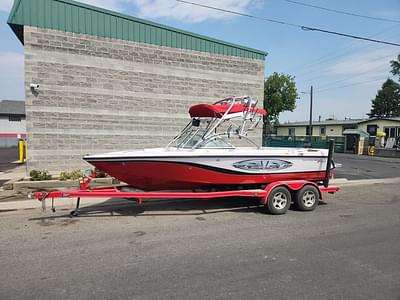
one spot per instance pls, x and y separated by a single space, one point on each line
263 164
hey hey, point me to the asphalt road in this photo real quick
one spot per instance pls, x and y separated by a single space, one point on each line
7 158
8 155
366 167
348 248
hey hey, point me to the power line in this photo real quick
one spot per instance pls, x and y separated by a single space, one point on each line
374 58
342 12
306 28
329 84
348 85
339 52
313 67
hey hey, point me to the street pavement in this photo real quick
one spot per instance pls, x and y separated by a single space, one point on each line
348 248
7 156
366 167
9 169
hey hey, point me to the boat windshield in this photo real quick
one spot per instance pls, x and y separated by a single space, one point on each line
195 138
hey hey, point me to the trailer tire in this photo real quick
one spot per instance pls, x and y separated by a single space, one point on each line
278 201
307 198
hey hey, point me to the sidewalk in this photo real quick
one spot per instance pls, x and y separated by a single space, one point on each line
11 171
17 171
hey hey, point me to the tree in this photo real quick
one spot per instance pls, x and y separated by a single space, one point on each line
280 95
387 101
395 64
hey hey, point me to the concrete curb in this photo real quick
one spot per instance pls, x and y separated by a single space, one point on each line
346 182
68 202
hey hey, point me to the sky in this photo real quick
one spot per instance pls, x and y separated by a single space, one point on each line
345 73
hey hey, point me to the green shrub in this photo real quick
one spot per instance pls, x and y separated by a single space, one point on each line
40 175
71 175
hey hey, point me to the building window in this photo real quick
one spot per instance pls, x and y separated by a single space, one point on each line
292 131
372 129
322 130
391 132
14 119
308 130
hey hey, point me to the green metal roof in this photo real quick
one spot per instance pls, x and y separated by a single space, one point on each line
72 16
359 132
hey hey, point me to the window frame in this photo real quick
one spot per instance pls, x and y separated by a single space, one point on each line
370 126
14 118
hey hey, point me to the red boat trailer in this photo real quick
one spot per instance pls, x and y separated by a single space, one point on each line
276 197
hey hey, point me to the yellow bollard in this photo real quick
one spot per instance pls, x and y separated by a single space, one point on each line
371 150
21 151
25 150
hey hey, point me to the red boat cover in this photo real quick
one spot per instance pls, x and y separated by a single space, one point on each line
218 110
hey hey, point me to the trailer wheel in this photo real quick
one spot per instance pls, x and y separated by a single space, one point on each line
278 201
307 198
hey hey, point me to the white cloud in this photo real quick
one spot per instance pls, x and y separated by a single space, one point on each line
12 75
6 5
364 65
389 14
115 5
172 9
169 9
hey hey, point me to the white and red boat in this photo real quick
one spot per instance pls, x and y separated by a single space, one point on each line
202 156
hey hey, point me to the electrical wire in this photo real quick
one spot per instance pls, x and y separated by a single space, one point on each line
348 85
333 55
303 27
329 84
342 12
386 58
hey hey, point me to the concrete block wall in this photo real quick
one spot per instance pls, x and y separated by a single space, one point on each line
99 94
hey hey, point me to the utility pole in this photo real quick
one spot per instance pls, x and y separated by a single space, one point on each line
311 107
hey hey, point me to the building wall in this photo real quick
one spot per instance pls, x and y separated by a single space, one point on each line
330 130
284 131
12 127
337 130
381 124
99 95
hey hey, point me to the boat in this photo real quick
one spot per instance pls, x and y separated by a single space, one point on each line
203 155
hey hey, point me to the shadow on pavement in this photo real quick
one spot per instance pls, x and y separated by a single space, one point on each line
114 207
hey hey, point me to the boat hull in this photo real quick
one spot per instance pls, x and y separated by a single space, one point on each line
176 173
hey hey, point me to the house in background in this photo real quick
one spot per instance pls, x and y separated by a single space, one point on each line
350 135
12 122
335 128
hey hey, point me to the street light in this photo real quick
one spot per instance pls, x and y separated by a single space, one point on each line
311 108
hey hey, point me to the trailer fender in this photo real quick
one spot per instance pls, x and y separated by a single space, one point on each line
293 186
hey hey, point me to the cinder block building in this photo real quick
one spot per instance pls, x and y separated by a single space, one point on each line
108 81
